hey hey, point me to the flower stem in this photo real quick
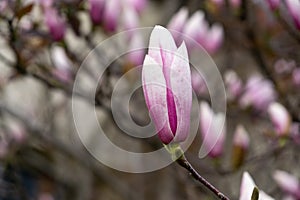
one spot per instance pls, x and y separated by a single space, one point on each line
182 161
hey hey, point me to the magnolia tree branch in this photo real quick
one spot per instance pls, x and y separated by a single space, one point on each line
183 162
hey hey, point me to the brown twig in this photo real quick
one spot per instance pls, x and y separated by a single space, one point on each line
182 161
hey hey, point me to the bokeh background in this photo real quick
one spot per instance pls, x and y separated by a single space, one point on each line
255 45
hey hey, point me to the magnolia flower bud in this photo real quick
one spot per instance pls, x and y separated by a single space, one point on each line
258 93
233 84
177 23
214 38
193 26
287 182
280 118
240 146
198 83
111 12
62 64
96 10
167 86
212 130
137 52
55 23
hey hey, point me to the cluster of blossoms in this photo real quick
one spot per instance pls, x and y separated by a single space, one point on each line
196 28
111 12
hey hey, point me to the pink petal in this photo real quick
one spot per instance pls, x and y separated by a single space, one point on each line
213 139
111 13
182 90
287 182
280 118
162 46
154 86
241 137
247 187
194 26
177 23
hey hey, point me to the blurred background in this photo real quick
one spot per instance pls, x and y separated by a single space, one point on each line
43 43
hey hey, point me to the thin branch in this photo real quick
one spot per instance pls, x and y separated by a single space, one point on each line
182 161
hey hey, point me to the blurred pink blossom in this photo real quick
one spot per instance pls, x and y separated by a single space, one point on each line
287 182
177 23
214 38
212 130
193 26
112 11
296 76
55 23
258 93
96 10
198 83
241 137
137 51
167 86
62 64
130 19
233 84
294 9
280 118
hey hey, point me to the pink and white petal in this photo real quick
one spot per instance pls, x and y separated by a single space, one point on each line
247 186
181 86
161 41
154 87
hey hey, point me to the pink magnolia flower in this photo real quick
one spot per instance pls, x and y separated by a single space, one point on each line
247 186
55 23
241 137
214 38
137 52
62 64
258 93
280 118
130 19
111 12
195 26
274 4
177 23
96 10
233 84
294 8
167 86
287 182
198 83
212 132
296 76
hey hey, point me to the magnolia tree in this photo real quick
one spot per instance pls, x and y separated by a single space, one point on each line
137 99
